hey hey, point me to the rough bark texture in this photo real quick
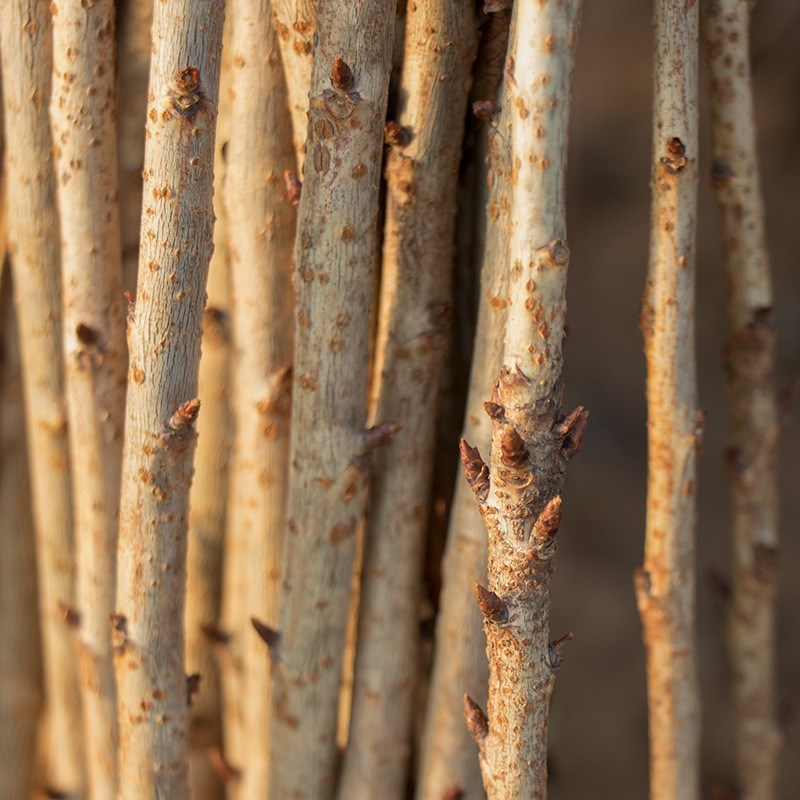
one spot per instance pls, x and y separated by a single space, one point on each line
448 758
750 360
519 496
26 48
296 24
335 253
665 587
83 117
164 340
412 342
133 65
261 240
21 699
208 498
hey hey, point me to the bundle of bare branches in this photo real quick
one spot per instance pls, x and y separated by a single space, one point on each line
217 539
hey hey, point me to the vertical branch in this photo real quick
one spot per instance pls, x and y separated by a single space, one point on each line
82 114
665 587
208 498
164 341
21 699
133 65
425 145
261 239
519 496
296 24
26 49
335 253
447 755
750 363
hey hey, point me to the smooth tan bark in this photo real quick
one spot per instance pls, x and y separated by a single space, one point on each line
262 237
519 495
413 330
208 498
21 698
26 48
665 587
335 253
133 66
448 759
750 364
296 24
83 118
164 341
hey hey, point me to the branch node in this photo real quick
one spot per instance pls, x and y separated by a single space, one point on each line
293 187
184 418
556 650
495 411
214 634
475 470
572 429
512 449
270 636
477 723
192 687
547 523
492 606
342 76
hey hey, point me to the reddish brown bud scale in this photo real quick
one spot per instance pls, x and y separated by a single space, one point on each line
185 416
546 525
484 109
491 605
475 470
477 723
495 411
572 428
342 76
512 449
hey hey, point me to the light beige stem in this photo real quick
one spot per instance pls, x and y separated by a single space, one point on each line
519 497
83 117
335 255
133 66
21 699
296 24
208 498
164 340
665 587
26 48
750 364
261 224
413 324
448 759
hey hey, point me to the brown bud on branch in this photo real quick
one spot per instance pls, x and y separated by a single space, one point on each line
475 470
491 605
342 76
477 723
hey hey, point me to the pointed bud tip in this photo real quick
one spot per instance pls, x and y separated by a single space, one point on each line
477 723
270 636
186 415
342 76
491 605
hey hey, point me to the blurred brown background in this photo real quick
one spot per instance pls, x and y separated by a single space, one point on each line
599 733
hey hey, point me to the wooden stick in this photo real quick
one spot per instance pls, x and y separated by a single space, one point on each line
27 64
262 231
665 587
519 496
164 340
335 254
752 457
425 146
